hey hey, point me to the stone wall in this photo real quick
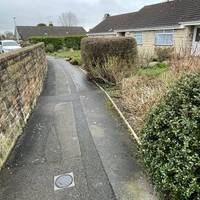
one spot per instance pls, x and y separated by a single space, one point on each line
22 74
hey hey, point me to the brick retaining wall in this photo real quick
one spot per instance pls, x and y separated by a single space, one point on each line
22 74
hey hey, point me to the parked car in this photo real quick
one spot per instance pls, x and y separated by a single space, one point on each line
8 45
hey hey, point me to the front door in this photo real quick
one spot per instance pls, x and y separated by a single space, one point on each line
196 41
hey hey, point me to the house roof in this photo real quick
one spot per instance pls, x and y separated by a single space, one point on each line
112 23
162 14
28 31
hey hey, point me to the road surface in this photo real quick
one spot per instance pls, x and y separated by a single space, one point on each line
73 130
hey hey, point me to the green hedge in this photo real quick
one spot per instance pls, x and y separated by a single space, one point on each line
171 141
73 42
59 42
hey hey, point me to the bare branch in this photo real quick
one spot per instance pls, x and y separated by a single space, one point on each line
68 19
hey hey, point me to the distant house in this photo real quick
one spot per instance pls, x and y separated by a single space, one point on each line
169 24
25 32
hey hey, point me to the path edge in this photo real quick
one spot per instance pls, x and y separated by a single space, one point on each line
117 109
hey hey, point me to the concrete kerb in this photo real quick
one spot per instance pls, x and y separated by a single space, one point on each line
118 110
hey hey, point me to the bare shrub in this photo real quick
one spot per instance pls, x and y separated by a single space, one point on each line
111 71
145 57
183 61
163 54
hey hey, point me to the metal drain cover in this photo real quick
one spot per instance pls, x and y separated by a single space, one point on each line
63 181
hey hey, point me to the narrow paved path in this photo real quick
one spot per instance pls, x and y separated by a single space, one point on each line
72 129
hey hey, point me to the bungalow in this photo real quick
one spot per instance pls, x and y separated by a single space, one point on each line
169 24
25 32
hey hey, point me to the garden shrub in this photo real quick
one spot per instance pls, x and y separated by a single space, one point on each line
68 42
163 54
49 48
171 141
107 58
110 72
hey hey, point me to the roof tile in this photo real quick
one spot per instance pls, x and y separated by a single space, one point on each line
28 31
162 14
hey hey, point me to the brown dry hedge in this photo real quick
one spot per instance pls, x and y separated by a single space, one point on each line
95 50
108 59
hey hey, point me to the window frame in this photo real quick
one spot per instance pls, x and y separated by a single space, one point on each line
141 35
161 33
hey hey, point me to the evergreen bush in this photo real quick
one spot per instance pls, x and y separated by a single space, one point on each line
171 141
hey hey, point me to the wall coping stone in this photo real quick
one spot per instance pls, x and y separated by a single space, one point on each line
10 55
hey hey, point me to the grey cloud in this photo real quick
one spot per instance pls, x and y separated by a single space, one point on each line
89 12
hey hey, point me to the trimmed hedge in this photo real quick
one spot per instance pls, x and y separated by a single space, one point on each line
108 59
100 49
171 141
57 42
73 42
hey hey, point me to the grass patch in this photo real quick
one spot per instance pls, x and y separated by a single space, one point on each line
73 56
152 71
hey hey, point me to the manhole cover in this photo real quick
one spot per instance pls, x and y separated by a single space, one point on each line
64 181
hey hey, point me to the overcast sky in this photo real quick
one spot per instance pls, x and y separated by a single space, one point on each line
89 12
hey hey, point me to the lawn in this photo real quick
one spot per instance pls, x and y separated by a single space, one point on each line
74 56
153 71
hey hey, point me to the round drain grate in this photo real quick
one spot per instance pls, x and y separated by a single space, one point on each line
63 181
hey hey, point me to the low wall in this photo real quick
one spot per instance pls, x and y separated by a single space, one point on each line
22 74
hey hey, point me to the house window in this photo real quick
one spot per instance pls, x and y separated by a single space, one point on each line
164 37
138 37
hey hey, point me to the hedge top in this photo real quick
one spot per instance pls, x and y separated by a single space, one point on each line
61 37
106 39
114 41
60 42
97 49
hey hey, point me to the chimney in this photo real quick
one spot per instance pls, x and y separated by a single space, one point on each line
106 16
